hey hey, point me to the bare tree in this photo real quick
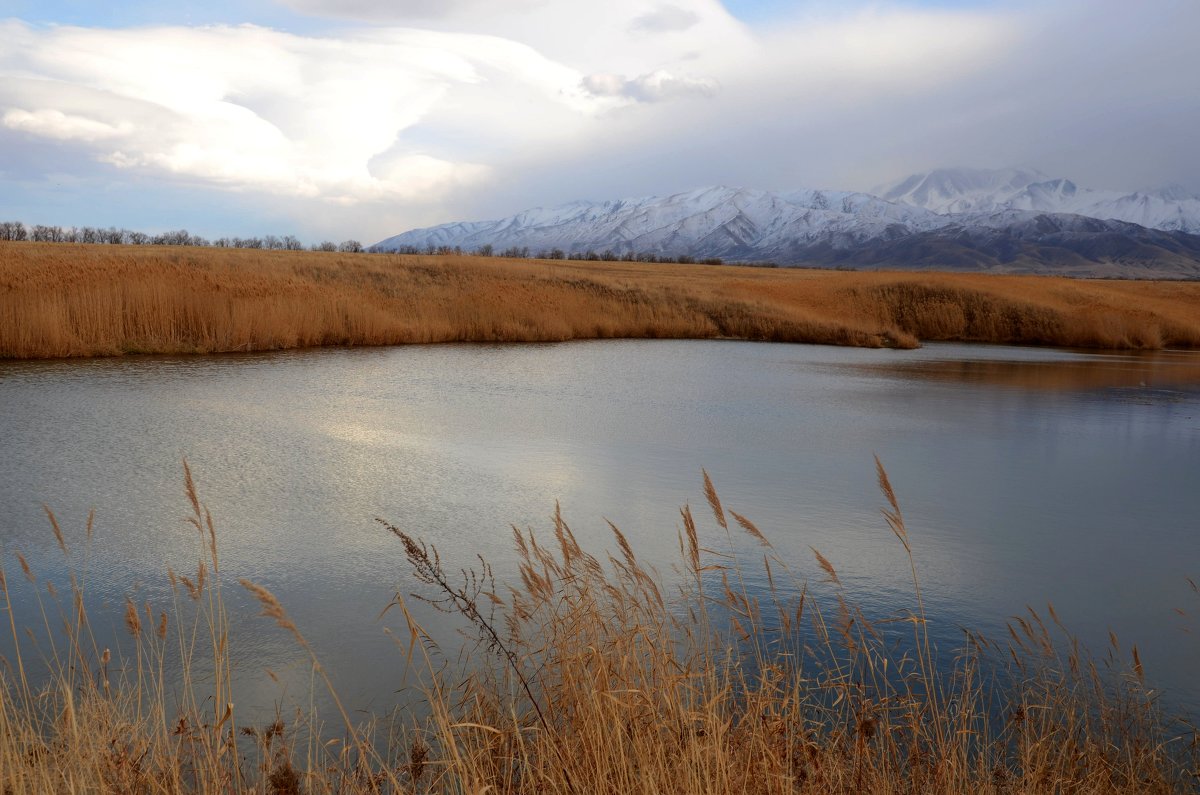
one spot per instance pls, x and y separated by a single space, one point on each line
46 234
13 230
178 237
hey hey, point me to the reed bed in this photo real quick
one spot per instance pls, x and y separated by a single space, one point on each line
60 300
595 673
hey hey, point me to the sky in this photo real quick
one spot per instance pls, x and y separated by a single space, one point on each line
336 119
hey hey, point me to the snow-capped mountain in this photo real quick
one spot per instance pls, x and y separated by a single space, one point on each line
964 190
1011 219
961 190
717 221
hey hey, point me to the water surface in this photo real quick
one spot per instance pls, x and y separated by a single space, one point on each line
1026 476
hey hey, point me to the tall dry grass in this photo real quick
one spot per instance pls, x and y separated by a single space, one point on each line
81 300
607 682
598 674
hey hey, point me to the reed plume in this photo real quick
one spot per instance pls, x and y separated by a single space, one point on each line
599 675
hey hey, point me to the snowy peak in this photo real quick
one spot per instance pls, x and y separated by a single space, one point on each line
1172 192
963 190
737 223
947 190
1001 220
1044 195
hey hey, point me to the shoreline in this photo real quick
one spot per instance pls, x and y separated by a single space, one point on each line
77 301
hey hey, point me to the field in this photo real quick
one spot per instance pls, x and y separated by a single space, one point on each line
590 671
62 300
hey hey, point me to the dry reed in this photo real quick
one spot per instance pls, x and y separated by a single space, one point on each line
722 689
607 677
60 300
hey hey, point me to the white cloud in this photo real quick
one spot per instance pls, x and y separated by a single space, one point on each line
61 126
665 19
590 37
391 11
256 109
376 113
654 87
497 105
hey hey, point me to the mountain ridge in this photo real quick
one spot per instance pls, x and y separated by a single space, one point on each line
1005 220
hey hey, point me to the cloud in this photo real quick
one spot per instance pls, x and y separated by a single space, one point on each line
389 11
370 114
857 96
61 126
665 19
591 37
256 109
653 87
493 107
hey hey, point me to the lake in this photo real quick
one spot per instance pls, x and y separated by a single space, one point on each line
1026 476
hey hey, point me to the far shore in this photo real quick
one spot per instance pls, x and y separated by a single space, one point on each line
59 300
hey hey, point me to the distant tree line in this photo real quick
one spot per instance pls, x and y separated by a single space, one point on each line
524 252
40 233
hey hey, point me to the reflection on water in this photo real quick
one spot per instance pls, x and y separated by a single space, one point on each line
1158 372
1026 476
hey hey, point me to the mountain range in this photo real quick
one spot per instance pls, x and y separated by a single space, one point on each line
1005 220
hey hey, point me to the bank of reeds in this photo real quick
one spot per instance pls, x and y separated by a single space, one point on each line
91 300
594 673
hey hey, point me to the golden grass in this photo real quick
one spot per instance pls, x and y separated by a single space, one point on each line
606 677
61 300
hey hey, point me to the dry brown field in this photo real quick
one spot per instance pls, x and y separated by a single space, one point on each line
61 300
